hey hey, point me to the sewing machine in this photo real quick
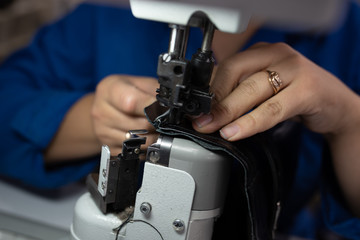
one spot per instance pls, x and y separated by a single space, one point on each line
183 184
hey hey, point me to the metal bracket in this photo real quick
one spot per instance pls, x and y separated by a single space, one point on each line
114 187
170 194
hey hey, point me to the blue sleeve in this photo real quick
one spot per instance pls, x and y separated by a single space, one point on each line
37 87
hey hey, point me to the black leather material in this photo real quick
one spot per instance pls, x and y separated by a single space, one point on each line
253 199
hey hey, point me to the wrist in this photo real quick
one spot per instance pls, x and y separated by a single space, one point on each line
345 153
348 119
75 137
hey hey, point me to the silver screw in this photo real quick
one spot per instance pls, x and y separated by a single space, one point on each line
154 156
145 208
167 57
178 225
137 151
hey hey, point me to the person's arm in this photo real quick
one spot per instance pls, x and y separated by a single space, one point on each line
345 153
75 137
38 85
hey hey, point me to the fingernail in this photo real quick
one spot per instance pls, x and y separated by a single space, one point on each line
229 131
204 120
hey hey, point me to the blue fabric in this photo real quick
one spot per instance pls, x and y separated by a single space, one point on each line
67 60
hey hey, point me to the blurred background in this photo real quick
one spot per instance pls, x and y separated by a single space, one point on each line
19 20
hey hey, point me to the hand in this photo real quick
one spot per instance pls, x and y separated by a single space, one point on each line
245 103
119 107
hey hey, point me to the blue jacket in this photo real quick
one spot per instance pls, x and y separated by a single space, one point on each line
68 59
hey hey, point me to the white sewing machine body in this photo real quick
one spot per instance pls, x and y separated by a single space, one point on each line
179 201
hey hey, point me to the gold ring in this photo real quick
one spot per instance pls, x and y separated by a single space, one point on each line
274 81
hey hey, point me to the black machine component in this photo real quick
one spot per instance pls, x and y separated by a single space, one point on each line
122 180
184 85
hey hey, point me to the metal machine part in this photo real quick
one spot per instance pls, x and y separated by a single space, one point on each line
184 85
159 152
104 170
183 200
114 187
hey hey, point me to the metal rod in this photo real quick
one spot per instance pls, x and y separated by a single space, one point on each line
209 30
178 41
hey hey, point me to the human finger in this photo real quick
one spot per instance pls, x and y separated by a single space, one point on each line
239 67
106 131
130 123
130 99
265 116
109 116
249 93
145 84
